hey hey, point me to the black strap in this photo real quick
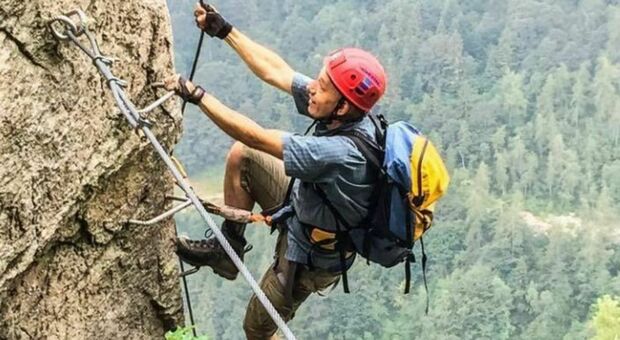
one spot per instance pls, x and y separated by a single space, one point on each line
287 200
289 189
374 155
371 151
191 77
381 125
424 274
291 272
411 257
366 246
309 258
340 236
409 222
192 72
311 126
331 207
408 260
418 200
343 269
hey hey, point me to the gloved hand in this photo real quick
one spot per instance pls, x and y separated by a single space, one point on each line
211 22
184 89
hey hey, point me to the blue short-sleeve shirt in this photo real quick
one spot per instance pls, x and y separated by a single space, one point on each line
333 163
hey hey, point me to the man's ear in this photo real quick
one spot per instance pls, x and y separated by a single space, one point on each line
344 108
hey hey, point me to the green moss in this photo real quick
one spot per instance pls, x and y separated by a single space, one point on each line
184 333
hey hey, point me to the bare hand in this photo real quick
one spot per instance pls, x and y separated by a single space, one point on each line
268 221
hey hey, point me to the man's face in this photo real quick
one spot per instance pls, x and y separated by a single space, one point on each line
323 96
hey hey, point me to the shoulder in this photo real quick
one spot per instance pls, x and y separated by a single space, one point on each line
299 91
327 145
300 82
365 130
316 159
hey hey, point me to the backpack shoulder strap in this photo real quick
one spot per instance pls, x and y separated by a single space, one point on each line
370 150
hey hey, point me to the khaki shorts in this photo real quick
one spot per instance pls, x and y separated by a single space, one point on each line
263 176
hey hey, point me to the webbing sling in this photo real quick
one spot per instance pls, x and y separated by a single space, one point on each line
72 31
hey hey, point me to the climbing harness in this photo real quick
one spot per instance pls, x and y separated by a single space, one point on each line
71 32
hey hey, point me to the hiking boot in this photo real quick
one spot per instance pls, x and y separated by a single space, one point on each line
209 252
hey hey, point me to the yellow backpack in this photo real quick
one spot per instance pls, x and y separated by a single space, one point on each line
429 181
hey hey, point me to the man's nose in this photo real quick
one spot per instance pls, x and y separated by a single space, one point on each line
311 88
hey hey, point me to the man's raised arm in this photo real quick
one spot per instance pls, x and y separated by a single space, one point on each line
265 64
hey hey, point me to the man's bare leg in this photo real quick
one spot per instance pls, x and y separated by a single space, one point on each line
234 194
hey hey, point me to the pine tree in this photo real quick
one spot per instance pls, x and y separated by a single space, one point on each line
580 98
513 102
606 318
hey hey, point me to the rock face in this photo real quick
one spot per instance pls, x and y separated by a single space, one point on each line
72 171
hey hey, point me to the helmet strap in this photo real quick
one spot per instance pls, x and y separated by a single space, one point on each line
334 114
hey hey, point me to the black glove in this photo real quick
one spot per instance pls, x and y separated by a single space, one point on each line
193 97
217 26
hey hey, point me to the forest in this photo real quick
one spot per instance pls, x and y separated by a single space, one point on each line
521 97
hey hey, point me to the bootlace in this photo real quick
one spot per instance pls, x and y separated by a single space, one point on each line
210 242
205 243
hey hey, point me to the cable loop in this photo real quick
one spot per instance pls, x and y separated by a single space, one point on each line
70 26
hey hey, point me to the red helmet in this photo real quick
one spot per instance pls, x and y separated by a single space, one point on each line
358 76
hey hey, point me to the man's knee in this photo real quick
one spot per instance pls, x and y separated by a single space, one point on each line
257 323
259 174
252 333
235 155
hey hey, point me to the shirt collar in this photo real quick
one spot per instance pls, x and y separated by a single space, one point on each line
322 129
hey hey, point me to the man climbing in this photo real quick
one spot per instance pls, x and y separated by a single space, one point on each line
261 163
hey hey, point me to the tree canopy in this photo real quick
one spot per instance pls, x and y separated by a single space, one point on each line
522 98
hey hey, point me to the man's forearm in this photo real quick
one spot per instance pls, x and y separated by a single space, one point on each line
242 128
266 64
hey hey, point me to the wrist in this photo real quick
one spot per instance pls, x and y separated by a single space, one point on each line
196 95
216 25
224 31
231 36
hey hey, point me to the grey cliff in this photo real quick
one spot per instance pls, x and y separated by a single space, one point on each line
72 172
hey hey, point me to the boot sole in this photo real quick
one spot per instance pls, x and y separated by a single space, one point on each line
225 274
